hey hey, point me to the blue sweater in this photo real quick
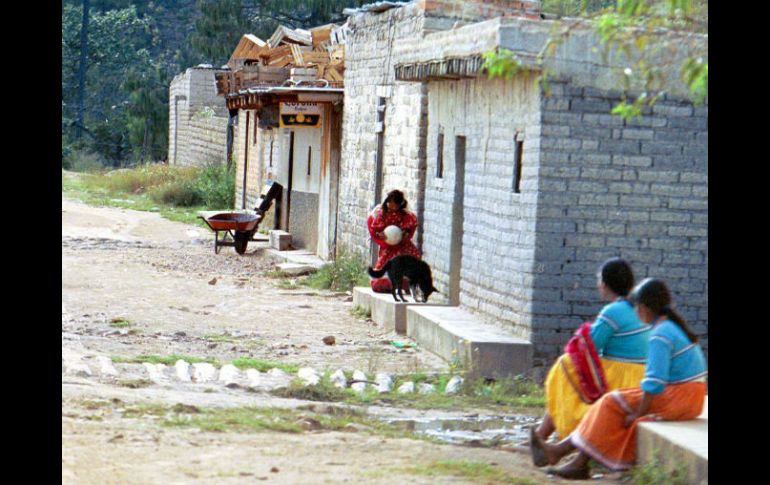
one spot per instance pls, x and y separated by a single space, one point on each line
619 334
673 358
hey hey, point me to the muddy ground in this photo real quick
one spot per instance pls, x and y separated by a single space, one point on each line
135 284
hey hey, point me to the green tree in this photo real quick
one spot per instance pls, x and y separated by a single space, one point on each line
217 32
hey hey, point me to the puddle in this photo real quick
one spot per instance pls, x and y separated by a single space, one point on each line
476 430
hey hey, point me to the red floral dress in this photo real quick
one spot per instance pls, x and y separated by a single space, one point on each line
377 221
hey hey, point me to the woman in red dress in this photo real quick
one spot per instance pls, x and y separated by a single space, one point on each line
392 212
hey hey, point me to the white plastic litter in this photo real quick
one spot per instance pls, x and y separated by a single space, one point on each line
203 372
426 388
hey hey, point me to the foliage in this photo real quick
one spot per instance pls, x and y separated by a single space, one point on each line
629 30
344 273
118 40
82 161
163 359
218 30
212 186
477 472
655 472
263 365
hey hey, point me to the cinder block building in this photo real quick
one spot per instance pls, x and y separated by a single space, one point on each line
521 195
197 131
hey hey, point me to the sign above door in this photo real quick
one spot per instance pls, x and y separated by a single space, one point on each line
300 115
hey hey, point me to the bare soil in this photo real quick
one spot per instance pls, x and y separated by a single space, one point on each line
135 284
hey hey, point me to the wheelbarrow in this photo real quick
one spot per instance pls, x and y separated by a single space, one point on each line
240 226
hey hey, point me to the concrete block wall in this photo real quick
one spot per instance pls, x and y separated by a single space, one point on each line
608 187
369 74
372 49
197 119
258 169
499 225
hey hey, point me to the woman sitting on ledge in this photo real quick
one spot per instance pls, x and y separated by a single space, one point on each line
610 355
673 389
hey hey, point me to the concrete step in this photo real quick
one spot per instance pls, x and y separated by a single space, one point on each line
295 269
482 349
677 443
384 309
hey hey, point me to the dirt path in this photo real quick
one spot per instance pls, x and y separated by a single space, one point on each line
135 284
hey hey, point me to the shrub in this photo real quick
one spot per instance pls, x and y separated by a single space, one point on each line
182 193
340 275
216 186
82 161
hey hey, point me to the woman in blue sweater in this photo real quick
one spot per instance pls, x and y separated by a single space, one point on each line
673 389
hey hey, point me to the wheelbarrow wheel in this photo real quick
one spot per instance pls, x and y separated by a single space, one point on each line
241 242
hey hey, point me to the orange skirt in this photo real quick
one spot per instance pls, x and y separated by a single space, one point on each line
601 433
563 402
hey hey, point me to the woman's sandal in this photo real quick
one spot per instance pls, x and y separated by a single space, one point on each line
536 449
570 473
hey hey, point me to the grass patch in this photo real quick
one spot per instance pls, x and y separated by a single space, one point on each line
120 322
342 274
177 193
361 312
164 359
479 472
263 365
288 284
135 383
655 472
247 419
514 393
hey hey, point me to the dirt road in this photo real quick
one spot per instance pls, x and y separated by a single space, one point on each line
136 284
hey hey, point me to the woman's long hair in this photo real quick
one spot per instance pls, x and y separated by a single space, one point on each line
616 273
655 295
396 196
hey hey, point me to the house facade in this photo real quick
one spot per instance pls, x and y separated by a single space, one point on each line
521 193
197 132
285 95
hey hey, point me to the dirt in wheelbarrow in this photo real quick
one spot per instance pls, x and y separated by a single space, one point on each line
137 287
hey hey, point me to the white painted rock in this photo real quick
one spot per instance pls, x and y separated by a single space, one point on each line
384 382
454 384
228 374
339 379
156 372
254 377
309 376
182 369
203 372
359 387
406 388
426 388
276 372
105 366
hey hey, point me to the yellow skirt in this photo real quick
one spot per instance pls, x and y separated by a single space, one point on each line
563 402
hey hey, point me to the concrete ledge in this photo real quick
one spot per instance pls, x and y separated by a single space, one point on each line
677 442
385 311
483 349
296 256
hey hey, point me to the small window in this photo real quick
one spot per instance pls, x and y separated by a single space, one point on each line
440 157
517 157
309 155
271 153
